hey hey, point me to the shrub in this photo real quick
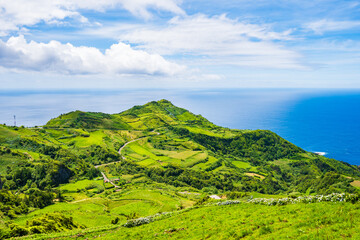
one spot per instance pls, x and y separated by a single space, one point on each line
236 195
265 230
138 222
115 221
201 201
334 197
17 231
145 220
353 198
230 202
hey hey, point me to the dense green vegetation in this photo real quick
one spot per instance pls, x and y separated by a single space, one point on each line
88 172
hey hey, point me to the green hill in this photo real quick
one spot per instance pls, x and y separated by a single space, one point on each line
87 120
88 170
149 116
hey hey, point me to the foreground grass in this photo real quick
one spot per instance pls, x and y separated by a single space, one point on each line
244 221
99 210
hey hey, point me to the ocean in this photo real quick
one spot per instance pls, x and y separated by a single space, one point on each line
316 120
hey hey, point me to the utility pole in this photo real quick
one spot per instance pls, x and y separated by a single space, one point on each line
14 121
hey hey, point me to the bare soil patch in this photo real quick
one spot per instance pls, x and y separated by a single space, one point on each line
255 175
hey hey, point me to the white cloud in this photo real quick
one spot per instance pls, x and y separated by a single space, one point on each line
17 13
217 37
120 58
202 34
326 25
140 7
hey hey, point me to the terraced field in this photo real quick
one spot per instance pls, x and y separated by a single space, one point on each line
144 153
99 210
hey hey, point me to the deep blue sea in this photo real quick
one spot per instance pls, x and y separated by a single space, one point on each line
316 120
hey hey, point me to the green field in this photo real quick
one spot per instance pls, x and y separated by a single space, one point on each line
245 221
99 210
145 154
67 180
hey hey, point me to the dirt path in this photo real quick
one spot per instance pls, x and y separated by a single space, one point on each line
127 144
105 164
85 199
106 179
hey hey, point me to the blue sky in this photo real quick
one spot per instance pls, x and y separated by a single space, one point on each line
121 44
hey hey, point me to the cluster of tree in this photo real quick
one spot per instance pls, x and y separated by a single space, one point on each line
60 163
329 182
48 223
96 154
176 176
259 144
30 183
24 143
6 150
236 195
276 180
29 175
12 204
179 177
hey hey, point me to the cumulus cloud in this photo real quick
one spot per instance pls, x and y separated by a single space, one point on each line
326 25
219 38
17 13
54 56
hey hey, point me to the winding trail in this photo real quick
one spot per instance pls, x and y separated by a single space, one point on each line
106 179
105 164
127 144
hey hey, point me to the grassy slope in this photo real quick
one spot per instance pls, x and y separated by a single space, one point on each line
168 147
156 115
79 119
149 116
245 221
313 221
99 210
78 132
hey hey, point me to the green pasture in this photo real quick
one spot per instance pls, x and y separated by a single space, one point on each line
161 201
221 132
146 155
203 166
249 221
79 185
100 210
6 133
95 138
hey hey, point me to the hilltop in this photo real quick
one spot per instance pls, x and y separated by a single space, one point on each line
149 116
155 158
